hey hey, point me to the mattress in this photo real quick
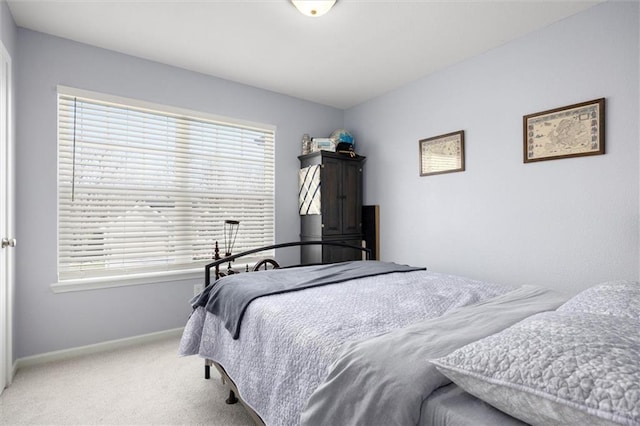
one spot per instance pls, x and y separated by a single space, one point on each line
452 406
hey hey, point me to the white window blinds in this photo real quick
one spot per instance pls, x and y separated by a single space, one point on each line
142 190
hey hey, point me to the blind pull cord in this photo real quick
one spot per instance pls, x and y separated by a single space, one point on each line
73 169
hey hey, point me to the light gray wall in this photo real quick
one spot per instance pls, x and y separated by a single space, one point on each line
47 321
8 29
567 223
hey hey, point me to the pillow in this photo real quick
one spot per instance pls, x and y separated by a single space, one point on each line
618 298
556 368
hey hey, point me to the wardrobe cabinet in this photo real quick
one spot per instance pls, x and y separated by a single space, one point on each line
330 203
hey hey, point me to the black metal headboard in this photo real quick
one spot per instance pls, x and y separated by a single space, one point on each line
219 261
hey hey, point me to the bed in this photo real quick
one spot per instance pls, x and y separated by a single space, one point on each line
412 346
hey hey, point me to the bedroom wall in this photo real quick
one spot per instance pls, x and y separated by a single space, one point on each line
47 321
566 224
8 29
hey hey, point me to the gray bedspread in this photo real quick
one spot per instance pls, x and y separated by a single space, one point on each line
385 379
229 297
289 340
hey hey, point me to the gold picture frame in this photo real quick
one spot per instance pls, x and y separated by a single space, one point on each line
571 131
442 154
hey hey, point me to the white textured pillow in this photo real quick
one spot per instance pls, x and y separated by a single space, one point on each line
618 298
572 368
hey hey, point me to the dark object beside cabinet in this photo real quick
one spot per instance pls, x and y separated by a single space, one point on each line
371 229
340 212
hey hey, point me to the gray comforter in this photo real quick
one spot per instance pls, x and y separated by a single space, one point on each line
385 379
289 340
229 296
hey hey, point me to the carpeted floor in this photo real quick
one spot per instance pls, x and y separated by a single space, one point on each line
145 384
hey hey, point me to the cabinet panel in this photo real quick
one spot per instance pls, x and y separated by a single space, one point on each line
351 192
342 254
328 254
331 199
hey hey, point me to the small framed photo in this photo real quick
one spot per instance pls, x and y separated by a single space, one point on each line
442 154
570 131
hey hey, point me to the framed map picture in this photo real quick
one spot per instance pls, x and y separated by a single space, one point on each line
571 131
442 154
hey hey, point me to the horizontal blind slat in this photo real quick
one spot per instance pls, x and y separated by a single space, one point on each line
146 190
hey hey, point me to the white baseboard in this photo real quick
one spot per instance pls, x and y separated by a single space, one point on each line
95 348
13 371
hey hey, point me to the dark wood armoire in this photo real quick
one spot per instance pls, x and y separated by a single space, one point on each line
330 203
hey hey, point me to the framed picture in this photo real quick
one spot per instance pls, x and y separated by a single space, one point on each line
571 131
442 154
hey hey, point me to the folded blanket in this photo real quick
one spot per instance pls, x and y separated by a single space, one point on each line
383 380
229 297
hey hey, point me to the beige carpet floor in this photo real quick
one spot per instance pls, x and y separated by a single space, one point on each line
141 385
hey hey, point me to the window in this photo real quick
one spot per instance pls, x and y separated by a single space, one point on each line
146 189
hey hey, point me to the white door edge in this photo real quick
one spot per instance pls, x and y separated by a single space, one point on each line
7 229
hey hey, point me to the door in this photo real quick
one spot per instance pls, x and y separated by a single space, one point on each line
6 220
341 182
331 198
351 194
331 254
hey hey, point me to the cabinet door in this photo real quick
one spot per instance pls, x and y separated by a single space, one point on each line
331 199
351 196
331 254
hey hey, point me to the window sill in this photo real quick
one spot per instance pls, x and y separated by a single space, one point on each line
83 284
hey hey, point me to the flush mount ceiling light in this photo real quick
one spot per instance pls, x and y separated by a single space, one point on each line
313 8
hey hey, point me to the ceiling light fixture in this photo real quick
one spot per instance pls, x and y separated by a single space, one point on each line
313 8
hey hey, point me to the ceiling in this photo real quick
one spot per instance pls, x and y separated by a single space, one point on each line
359 50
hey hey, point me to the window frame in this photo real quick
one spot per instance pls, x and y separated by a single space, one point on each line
148 277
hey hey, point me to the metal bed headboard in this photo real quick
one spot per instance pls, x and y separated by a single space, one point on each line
219 261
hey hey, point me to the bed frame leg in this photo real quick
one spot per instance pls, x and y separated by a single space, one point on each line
207 369
232 398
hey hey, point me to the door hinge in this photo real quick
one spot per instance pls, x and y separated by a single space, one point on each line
6 242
